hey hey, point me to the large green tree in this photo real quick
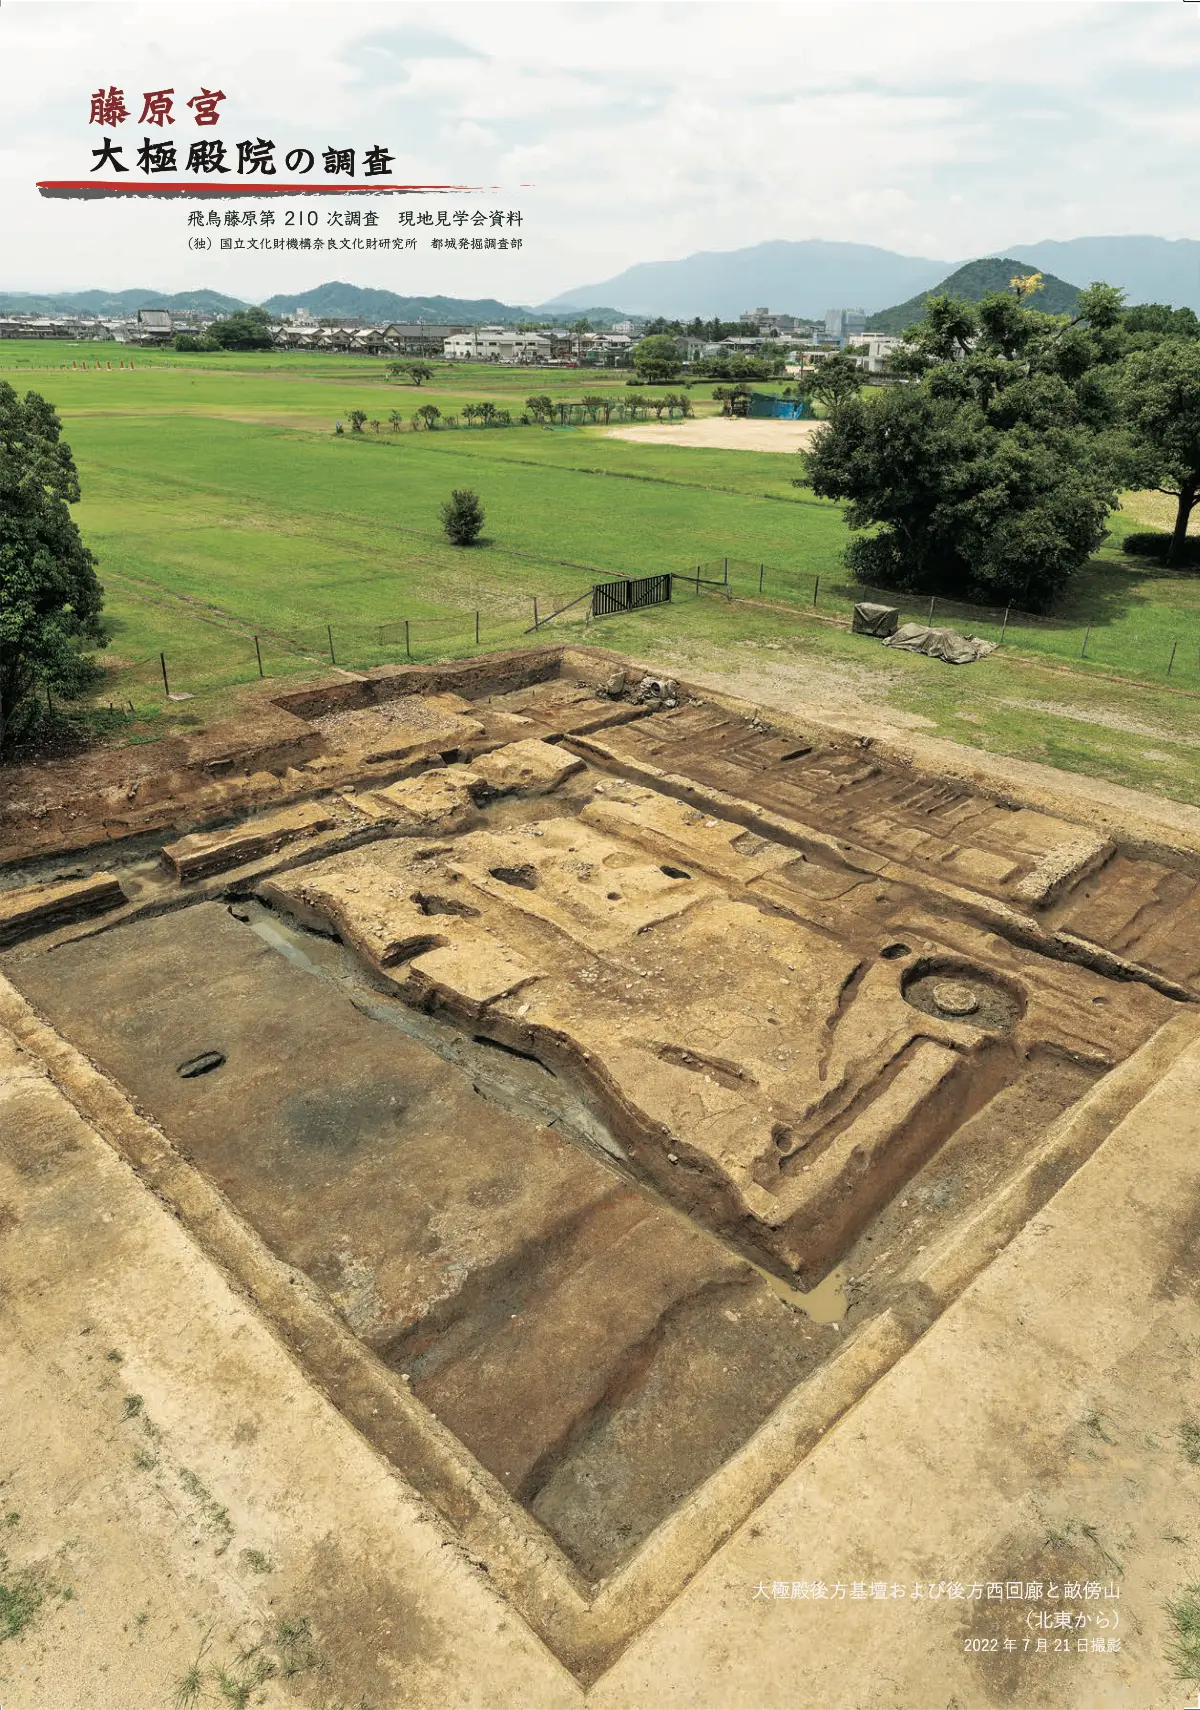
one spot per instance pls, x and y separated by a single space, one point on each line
245 329
656 358
990 474
837 380
50 599
1149 322
1160 396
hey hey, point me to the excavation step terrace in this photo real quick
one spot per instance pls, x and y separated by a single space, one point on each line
32 907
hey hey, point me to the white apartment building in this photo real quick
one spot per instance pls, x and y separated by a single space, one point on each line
502 344
875 348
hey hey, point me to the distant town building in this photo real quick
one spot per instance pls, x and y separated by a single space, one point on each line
504 344
398 338
609 348
153 326
365 340
48 326
690 348
879 347
844 323
767 324
419 338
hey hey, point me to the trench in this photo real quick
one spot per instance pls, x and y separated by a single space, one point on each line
470 1213
603 1362
517 1081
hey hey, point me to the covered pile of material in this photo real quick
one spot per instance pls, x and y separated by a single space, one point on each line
870 619
944 644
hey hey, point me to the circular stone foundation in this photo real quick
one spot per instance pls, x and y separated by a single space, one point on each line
963 994
952 997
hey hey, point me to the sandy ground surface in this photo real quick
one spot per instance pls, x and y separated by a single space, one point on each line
770 674
721 433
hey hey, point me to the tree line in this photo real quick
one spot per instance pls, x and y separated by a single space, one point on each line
540 410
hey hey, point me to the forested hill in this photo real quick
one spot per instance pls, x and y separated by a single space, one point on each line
978 279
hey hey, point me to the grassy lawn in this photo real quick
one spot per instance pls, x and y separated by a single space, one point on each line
221 506
1144 735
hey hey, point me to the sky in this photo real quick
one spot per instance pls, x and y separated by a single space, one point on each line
622 132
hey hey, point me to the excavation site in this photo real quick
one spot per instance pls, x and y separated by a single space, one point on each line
594 1084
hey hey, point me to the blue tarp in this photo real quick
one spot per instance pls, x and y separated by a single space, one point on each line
763 404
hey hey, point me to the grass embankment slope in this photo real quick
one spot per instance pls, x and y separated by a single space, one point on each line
220 505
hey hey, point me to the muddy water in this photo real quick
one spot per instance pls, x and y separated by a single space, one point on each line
828 1303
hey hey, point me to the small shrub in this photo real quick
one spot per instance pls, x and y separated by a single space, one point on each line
188 1688
1183 1612
462 517
21 1596
1157 545
296 1646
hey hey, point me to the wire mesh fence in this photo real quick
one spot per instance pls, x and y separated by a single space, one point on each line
202 659
1163 644
207 656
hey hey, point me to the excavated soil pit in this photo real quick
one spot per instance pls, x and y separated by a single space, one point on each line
598 1355
631 1091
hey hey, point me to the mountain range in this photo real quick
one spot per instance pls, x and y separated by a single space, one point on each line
800 278
337 300
807 277
334 300
114 303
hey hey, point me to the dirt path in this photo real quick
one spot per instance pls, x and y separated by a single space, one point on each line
721 433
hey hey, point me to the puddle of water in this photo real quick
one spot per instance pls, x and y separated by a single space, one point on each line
828 1303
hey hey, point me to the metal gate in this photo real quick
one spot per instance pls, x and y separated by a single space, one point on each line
630 595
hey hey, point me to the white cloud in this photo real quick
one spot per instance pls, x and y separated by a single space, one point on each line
647 131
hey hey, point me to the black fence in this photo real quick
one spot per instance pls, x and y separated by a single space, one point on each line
631 594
